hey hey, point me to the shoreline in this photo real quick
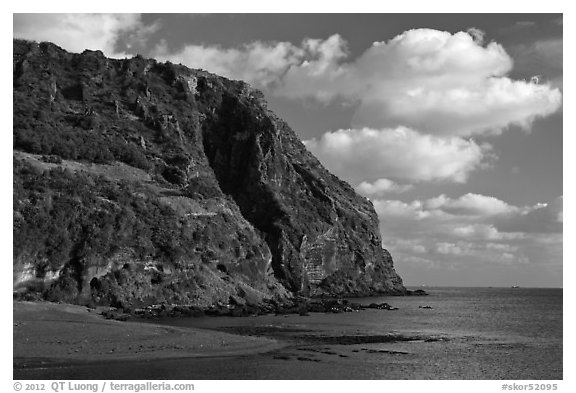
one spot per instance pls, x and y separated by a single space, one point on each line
59 333
412 343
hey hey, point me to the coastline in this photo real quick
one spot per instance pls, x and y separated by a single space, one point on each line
45 331
477 333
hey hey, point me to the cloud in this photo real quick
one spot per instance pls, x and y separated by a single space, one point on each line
257 62
401 153
484 232
381 187
433 81
447 84
500 253
264 64
489 107
471 204
419 98
449 248
456 233
76 32
393 208
429 80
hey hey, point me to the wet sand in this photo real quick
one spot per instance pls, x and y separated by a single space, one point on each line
49 332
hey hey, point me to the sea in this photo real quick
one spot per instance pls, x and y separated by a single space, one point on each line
453 333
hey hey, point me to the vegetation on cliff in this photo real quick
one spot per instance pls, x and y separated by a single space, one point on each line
138 182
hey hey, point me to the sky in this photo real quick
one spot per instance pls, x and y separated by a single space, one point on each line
451 124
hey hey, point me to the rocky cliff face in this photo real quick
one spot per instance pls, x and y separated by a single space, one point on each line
144 182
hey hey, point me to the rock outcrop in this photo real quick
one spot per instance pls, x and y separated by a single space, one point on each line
138 182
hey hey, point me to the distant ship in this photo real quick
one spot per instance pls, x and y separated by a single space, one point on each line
514 286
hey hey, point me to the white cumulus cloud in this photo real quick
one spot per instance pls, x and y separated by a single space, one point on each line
400 153
448 84
426 79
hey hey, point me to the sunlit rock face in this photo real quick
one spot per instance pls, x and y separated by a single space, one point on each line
139 182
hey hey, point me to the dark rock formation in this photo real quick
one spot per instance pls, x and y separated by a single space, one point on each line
417 292
138 183
298 305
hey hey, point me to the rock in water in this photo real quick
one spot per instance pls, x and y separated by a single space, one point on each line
173 185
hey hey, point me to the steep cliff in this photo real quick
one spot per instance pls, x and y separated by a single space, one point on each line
139 182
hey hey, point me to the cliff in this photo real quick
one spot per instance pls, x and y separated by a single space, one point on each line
138 182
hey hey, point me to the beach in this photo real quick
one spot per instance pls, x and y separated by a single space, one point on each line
54 333
455 333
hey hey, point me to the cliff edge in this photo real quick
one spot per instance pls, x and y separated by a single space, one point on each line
139 182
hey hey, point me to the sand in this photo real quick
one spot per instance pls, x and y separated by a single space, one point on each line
64 332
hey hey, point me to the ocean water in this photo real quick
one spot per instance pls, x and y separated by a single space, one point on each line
468 333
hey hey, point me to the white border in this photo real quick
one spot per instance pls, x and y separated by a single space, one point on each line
303 6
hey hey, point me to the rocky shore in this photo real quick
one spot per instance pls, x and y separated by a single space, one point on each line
237 307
